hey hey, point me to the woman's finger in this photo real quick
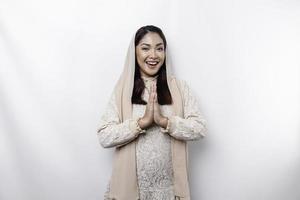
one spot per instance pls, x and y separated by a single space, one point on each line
152 88
151 91
153 98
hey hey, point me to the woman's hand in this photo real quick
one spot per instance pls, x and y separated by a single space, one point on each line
148 117
159 119
153 113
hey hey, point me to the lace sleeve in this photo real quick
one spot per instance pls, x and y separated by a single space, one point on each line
193 125
111 132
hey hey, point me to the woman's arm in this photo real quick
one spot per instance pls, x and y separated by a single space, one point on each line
113 133
193 125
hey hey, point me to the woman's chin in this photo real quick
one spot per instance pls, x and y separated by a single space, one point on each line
152 67
152 72
149 71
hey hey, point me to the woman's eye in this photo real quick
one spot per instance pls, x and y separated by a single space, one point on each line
160 49
145 49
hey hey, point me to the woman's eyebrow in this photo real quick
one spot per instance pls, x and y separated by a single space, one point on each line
150 45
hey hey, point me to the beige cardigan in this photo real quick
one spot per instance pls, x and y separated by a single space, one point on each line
123 182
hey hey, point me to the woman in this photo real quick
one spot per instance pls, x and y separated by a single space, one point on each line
150 116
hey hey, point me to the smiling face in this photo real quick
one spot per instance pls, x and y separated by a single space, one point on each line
150 54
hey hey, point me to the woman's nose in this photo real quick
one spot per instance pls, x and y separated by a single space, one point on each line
153 53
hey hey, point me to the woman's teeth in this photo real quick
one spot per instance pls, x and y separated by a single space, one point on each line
151 63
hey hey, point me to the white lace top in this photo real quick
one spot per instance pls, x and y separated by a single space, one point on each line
153 149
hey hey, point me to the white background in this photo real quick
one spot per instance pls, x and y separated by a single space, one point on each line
59 61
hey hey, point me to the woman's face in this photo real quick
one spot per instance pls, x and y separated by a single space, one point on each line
150 54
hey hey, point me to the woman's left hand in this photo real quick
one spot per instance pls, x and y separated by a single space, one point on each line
159 119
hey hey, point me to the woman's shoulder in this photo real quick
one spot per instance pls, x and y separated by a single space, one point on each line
185 88
182 83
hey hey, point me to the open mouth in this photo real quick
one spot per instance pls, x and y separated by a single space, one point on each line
152 64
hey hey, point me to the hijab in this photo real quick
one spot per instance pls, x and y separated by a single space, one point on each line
123 182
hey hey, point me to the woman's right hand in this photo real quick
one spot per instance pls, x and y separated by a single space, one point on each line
148 117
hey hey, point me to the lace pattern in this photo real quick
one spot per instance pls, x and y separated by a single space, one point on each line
153 149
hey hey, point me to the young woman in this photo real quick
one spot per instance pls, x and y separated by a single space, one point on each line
149 118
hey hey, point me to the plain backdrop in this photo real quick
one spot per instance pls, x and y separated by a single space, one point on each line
60 59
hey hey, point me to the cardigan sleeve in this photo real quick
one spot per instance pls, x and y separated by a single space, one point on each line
192 126
111 132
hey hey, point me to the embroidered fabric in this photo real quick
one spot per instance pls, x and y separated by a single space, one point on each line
153 149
